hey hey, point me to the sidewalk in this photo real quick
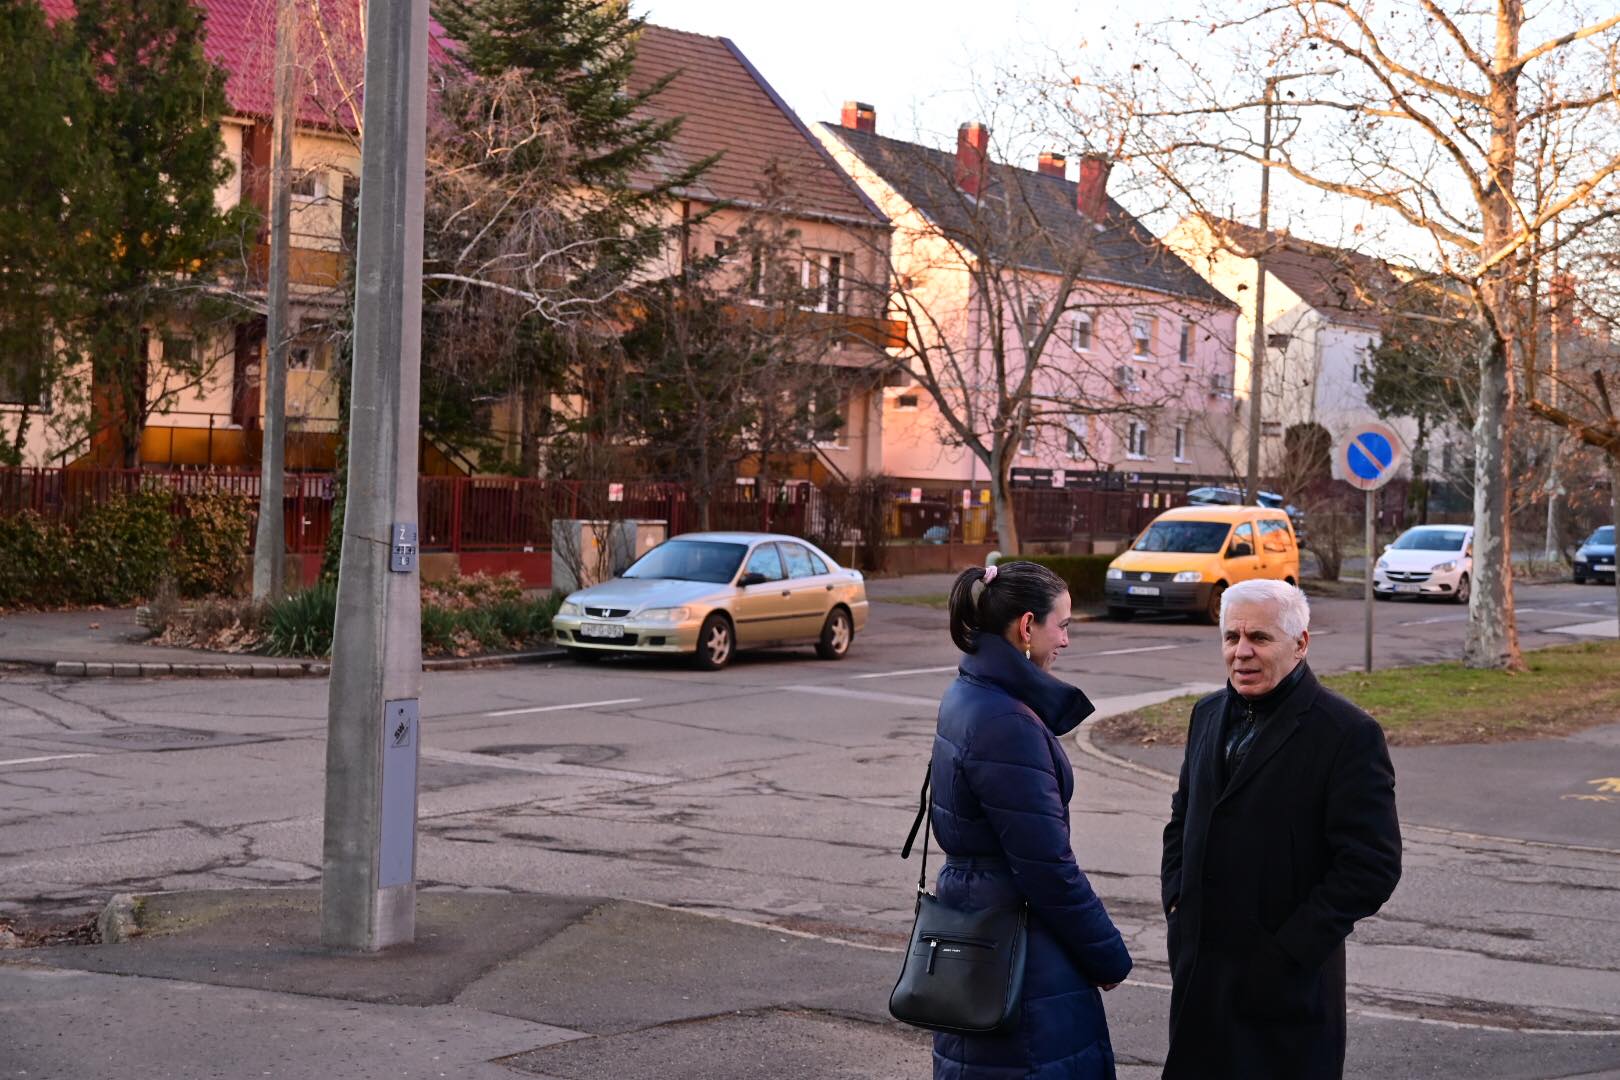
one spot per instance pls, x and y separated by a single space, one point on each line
235 984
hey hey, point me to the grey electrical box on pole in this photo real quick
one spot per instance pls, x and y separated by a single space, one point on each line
368 864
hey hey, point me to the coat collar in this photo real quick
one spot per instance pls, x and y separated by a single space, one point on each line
1282 722
1060 706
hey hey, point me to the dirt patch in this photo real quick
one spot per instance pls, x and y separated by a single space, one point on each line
1564 689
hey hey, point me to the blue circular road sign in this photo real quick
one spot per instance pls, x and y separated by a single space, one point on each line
1369 454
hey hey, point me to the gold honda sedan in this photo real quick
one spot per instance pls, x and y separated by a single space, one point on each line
709 594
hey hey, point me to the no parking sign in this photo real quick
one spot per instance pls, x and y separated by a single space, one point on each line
1368 455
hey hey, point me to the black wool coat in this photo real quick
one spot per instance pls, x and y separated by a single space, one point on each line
1264 875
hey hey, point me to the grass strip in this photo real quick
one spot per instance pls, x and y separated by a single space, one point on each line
1567 688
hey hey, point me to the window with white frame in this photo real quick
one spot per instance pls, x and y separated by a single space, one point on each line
1142 336
1075 437
1181 442
823 280
1136 440
309 184
1184 347
1026 442
1080 332
907 403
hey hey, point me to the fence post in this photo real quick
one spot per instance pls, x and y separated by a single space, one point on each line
455 512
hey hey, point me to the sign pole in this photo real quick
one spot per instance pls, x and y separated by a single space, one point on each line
1367 599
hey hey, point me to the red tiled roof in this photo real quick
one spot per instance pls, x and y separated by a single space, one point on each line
240 37
729 109
1348 286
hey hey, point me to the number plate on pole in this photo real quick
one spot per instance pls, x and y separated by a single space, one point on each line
402 556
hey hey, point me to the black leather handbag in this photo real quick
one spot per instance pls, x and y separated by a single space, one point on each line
964 970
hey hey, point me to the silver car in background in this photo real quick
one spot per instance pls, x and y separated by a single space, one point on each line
709 594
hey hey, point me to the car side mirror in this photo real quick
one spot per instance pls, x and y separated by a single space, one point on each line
753 577
1239 550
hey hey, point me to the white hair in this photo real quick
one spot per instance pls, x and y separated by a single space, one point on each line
1293 612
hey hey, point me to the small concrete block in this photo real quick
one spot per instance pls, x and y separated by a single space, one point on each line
184 670
266 671
100 669
68 667
157 669
244 670
290 671
119 920
321 670
126 670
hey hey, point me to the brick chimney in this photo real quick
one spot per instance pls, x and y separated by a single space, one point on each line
860 116
972 157
1051 163
1091 193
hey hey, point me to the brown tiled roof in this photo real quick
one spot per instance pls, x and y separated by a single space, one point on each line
1347 286
729 109
1043 213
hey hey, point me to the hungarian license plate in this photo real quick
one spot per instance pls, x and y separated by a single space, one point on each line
1144 590
1408 588
601 630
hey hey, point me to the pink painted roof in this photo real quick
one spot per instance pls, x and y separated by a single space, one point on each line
241 39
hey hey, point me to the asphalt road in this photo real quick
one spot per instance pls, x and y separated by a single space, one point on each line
779 790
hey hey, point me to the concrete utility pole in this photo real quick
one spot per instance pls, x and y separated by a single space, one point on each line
269 543
1258 344
368 868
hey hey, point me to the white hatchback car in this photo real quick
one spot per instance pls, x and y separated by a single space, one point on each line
1429 560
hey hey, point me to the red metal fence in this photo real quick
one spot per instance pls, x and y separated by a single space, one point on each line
492 513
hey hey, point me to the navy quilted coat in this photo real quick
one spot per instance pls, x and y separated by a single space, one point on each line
1001 785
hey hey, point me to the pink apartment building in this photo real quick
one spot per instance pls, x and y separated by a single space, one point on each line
1138 378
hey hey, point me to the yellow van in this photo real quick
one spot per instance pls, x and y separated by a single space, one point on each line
1185 560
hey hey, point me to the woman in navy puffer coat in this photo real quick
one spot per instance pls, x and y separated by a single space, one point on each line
1001 787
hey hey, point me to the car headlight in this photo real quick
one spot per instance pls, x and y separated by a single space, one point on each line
1580 556
1382 564
665 615
1189 575
570 608
1446 567
1115 573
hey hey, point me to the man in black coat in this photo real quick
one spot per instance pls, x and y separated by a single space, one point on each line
1282 834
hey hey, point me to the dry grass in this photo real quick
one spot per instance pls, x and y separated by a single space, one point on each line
1567 688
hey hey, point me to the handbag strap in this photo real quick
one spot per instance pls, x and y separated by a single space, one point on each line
922 822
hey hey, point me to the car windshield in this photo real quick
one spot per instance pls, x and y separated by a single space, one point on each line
1202 537
1431 540
690 560
1604 536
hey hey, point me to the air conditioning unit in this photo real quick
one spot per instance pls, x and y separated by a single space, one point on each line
1125 377
1220 384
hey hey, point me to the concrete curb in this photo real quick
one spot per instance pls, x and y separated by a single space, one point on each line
264 669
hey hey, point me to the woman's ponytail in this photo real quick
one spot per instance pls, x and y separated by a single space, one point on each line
965 609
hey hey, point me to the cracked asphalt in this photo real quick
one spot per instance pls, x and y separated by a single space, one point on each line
778 792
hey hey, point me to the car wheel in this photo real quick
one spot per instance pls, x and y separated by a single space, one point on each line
1212 612
1580 579
1381 595
836 634
1121 614
1463 590
585 656
716 643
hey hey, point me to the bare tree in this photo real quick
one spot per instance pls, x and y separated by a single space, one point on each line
1476 128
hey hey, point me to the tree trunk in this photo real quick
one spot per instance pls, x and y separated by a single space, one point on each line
1614 517
1493 633
1418 497
1001 499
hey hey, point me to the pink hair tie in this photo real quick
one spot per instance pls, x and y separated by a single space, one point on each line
989 574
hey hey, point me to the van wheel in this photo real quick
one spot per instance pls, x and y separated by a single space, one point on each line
836 634
1212 612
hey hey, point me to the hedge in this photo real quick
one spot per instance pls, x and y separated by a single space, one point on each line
1086 574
